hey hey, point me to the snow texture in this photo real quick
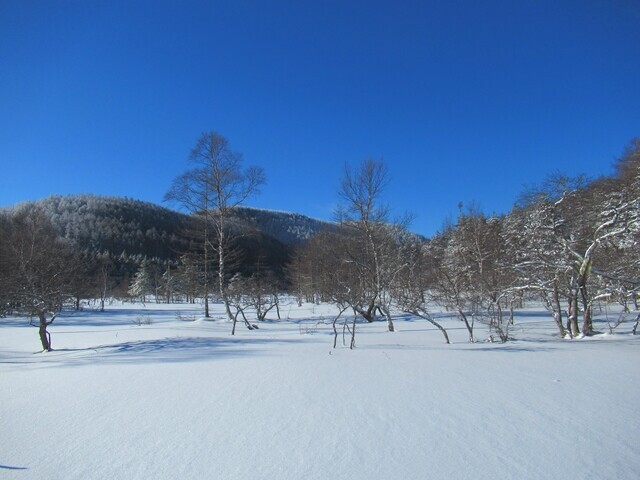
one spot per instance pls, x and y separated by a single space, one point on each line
175 396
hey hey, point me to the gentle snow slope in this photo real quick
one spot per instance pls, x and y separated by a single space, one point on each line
184 399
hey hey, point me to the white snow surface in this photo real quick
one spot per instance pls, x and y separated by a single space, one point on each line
182 398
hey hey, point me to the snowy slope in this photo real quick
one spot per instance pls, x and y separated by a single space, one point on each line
184 399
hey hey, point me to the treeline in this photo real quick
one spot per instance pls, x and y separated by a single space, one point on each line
570 243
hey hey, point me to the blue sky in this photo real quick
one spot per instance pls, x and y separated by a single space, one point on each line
465 101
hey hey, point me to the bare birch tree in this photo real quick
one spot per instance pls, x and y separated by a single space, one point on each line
215 185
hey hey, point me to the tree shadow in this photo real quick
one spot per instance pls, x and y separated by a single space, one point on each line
19 322
8 467
118 317
108 318
165 350
511 346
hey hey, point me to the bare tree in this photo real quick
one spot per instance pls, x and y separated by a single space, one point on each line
252 293
211 190
38 268
450 287
363 213
412 284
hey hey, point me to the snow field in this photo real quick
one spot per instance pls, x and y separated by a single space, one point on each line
184 399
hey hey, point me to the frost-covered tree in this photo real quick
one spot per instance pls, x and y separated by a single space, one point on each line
188 278
538 264
143 282
574 243
620 256
581 219
168 283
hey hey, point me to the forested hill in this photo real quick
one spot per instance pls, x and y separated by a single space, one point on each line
116 225
289 228
134 228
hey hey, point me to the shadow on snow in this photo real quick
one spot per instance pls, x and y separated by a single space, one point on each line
166 350
7 467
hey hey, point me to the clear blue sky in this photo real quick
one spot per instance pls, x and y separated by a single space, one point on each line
464 100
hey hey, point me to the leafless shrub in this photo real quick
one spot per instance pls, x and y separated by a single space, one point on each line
183 317
142 320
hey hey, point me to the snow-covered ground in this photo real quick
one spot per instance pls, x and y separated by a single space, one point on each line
181 398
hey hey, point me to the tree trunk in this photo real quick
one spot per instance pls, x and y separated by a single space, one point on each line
558 309
553 306
235 321
370 314
353 334
221 270
45 337
573 316
277 300
387 315
206 260
463 317
587 324
427 317
335 330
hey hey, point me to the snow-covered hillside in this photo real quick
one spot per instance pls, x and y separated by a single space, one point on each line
287 227
154 392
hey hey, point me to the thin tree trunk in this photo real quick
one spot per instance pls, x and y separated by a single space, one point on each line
235 320
387 314
206 258
277 300
428 318
353 334
463 317
553 305
558 310
240 311
221 271
573 316
335 330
